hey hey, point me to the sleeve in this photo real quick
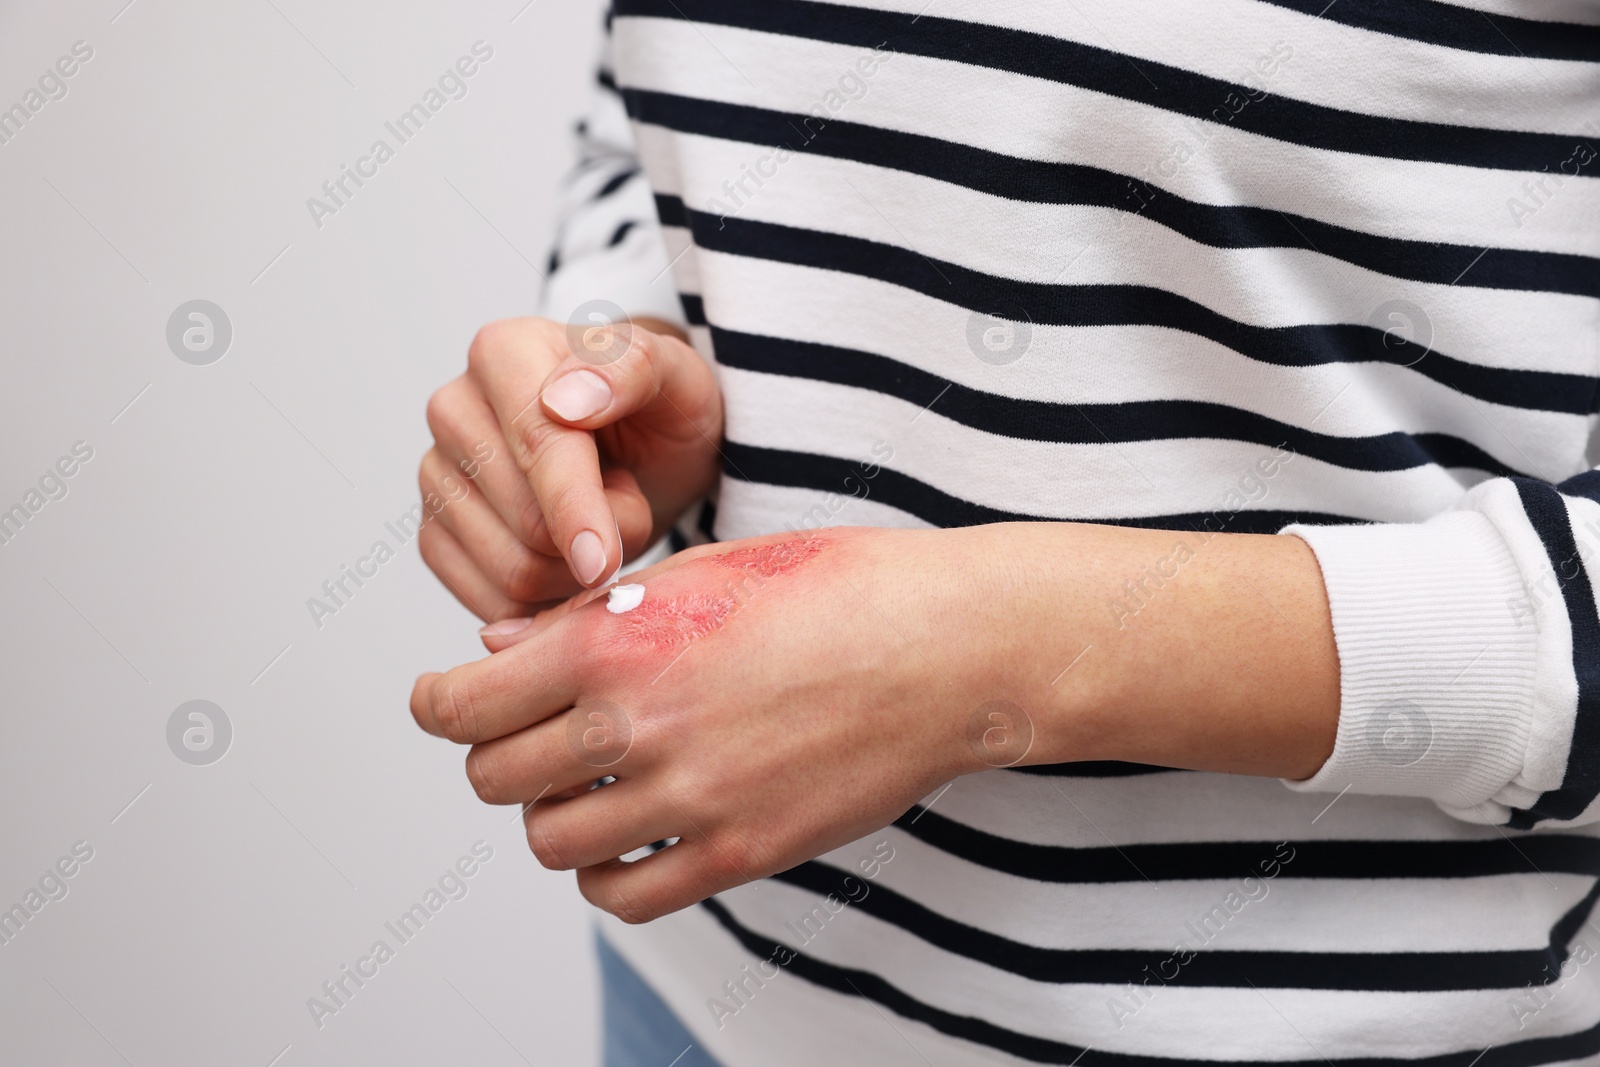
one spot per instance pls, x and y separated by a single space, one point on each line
608 243
609 246
1469 654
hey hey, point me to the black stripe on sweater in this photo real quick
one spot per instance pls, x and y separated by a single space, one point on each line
1095 769
1041 303
694 308
615 182
1143 81
1586 485
868 986
621 233
1187 861
828 474
1045 182
1397 972
1090 424
1547 513
1452 26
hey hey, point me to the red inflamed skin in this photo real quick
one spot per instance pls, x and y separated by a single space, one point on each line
770 560
666 622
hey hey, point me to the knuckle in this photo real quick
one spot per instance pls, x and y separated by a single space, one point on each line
453 711
544 846
604 890
738 856
440 410
551 333
566 497
484 772
535 436
427 545
530 519
450 407
643 353
434 478
627 907
487 344
518 574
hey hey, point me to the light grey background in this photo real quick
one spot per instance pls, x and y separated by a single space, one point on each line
178 566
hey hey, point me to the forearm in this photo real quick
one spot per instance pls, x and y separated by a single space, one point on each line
1210 652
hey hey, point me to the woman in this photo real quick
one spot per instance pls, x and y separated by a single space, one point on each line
1115 406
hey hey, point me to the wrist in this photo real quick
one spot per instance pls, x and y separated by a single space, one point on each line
1016 633
1207 651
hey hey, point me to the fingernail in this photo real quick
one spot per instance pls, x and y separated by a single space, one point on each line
578 395
505 628
588 556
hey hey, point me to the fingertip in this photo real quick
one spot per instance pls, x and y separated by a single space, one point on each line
421 691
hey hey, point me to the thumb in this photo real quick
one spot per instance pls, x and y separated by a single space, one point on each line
585 392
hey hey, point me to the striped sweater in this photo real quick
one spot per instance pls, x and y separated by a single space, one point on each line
1327 268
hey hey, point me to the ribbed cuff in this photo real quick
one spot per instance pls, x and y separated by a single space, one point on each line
1437 665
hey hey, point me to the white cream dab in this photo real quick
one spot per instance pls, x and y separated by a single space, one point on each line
624 598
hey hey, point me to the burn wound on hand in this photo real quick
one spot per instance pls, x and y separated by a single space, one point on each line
664 623
671 621
769 561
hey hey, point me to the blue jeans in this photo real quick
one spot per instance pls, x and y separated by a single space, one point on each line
638 1028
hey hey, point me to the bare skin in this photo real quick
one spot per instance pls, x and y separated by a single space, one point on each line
772 699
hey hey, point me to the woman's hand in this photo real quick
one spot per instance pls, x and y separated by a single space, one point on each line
772 699
609 433
767 701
